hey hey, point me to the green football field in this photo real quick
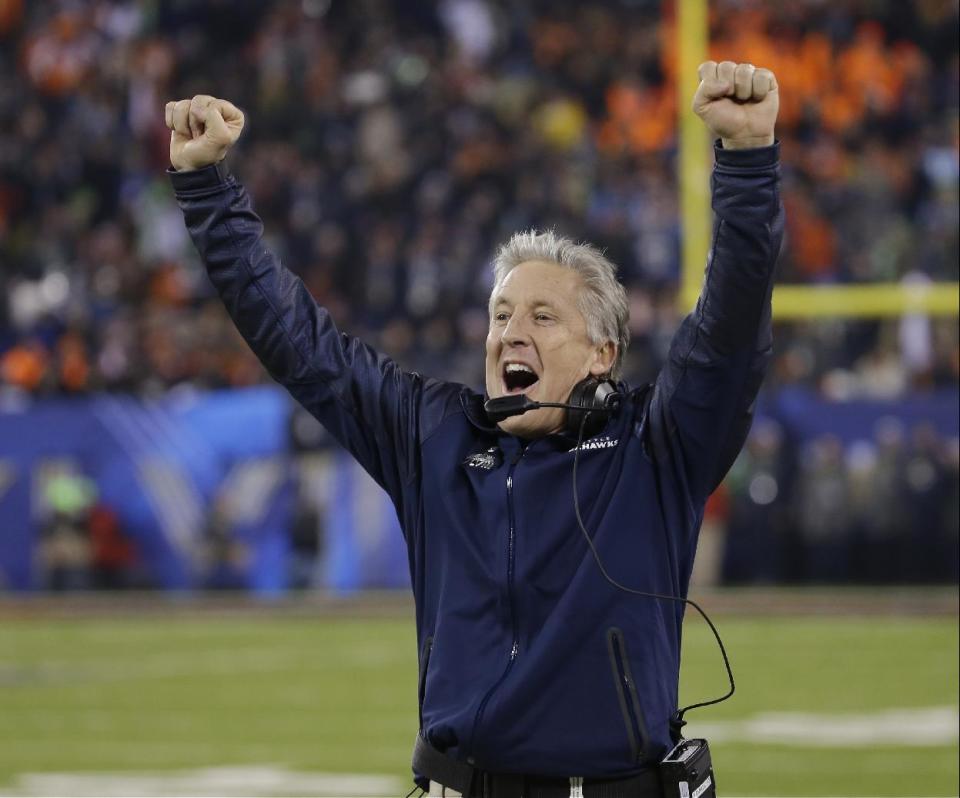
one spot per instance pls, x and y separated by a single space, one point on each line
833 702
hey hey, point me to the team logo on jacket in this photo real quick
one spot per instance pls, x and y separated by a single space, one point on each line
488 460
603 442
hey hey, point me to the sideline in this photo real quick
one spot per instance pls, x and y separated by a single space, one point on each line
745 602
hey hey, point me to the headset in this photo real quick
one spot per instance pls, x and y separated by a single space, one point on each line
591 401
687 768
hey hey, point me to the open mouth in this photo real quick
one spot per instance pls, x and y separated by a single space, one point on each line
518 378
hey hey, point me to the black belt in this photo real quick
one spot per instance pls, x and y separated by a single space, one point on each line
472 782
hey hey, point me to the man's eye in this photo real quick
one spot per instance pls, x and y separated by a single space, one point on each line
500 316
543 317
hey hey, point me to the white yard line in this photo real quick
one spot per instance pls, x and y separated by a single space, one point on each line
242 782
911 727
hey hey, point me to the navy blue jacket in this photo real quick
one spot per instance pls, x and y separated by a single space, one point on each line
529 660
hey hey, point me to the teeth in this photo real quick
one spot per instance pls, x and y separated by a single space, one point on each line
519 367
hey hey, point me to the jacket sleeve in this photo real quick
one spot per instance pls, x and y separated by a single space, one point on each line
702 403
362 397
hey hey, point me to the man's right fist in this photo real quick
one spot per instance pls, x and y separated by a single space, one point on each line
202 130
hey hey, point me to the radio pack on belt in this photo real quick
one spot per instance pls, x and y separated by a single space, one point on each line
687 772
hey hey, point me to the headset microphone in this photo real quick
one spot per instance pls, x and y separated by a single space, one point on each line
506 406
590 398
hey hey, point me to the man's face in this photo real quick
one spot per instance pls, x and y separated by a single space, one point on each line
538 344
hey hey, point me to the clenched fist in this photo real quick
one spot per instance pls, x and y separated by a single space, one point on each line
738 102
202 130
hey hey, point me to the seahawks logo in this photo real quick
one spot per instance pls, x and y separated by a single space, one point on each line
487 461
604 442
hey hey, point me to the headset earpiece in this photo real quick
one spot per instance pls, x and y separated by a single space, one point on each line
598 398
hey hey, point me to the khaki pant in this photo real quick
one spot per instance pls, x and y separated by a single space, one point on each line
444 792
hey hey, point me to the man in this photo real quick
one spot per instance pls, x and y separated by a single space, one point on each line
536 673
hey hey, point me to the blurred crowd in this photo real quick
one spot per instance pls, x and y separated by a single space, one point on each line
391 146
82 543
874 511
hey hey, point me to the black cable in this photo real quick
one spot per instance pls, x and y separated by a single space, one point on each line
616 584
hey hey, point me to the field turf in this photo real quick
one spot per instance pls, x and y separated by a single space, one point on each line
338 694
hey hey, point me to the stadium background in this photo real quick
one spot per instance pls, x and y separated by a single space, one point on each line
389 148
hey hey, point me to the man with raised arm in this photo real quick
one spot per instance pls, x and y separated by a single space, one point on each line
538 676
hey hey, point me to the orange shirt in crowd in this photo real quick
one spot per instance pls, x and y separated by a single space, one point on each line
25 365
873 78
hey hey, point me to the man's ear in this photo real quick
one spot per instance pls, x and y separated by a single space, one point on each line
604 357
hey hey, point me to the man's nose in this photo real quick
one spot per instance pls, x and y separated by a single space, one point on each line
515 332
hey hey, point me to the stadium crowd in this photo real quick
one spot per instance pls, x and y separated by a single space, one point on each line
391 146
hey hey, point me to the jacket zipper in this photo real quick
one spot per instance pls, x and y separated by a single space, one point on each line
627 694
422 686
515 647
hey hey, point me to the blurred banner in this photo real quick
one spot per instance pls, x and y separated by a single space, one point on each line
805 414
241 489
221 489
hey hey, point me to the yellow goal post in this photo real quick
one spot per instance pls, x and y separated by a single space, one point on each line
872 300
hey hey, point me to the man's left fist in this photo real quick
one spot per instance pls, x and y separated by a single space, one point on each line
738 102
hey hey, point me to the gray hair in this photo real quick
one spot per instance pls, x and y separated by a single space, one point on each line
603 303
